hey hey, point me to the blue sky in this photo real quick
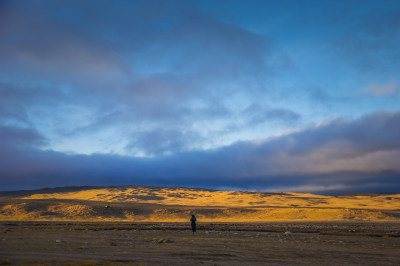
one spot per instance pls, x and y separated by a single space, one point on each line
256 95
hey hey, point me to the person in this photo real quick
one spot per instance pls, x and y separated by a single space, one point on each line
193 221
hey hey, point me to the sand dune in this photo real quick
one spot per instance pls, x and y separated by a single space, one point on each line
138 203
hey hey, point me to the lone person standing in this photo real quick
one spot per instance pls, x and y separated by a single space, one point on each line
193 222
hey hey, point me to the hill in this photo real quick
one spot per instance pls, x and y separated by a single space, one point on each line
161 204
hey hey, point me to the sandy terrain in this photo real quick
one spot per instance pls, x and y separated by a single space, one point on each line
83 243
157 204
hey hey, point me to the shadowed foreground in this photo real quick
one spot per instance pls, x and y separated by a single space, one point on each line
100 243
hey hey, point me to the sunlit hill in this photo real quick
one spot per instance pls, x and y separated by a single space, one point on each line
158 204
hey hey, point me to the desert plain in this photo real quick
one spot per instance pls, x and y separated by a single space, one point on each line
135 225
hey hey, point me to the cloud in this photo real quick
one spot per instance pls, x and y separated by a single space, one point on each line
171 94
337 156
39 44
130 68
15 137
257 114
162 142
371 40
383 89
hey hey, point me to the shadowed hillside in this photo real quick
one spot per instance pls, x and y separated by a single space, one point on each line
138 203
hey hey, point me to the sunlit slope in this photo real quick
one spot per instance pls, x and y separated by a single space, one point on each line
200 197
156 204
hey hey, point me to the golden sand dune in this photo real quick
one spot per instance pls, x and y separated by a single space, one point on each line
199 197
137 203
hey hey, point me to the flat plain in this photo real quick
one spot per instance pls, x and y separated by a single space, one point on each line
122 243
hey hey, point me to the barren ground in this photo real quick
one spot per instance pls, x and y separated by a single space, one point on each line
158 204
121 243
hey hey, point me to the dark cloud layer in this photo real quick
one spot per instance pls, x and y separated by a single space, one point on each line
337 156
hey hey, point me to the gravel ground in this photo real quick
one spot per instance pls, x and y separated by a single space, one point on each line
82 243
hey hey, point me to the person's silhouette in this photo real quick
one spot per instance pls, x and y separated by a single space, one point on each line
193 222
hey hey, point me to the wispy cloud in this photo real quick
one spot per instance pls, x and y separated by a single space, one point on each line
383 89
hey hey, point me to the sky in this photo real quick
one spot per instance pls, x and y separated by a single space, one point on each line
300 96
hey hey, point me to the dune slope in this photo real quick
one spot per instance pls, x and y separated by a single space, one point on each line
138 203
